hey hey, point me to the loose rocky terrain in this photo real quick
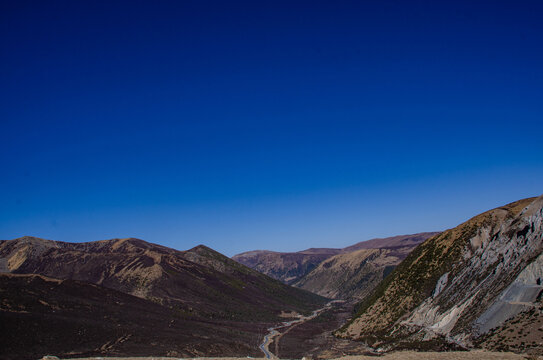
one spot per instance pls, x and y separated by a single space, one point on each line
522 333
456 286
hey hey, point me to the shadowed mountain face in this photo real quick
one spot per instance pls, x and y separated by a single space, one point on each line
198 289
470 283
40 315
347 273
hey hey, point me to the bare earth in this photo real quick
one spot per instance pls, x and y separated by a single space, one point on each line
400 355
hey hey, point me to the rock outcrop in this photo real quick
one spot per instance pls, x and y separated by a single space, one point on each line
460 284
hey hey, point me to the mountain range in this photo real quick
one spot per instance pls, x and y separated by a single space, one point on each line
477 285
346 273
194 289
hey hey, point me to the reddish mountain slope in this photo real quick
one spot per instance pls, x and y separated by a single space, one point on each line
312 269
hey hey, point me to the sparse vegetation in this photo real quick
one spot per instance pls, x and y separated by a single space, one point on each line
376 317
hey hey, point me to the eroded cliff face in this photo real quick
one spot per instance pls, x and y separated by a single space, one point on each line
461 283
522 295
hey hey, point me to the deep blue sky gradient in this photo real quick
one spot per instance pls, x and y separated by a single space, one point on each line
265 125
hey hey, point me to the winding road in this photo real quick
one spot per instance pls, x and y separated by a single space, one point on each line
273 331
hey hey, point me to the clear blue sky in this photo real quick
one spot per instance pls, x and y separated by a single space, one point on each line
274 125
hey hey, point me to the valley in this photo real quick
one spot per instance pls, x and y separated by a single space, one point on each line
455 287
277 332
475 288
293 267
130 297
296 180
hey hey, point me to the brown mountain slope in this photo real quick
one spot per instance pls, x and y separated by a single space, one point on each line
459 284
355 272
290 267
199 281
286 267
392 242
40 315
353 275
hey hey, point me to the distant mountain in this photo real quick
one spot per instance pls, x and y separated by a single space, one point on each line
199 284
393 242
286 267
351 275
358 269
337 273
472 284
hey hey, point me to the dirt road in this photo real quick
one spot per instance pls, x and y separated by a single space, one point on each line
279 330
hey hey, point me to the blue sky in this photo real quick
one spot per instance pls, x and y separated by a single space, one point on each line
265 125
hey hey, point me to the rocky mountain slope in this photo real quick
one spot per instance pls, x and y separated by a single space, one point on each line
290 267
460 284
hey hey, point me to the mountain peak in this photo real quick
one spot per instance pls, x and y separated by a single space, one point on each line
206 256
33 240
132 242
201 248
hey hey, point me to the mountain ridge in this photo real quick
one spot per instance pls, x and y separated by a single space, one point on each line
171 277
217 305
443 289
312 269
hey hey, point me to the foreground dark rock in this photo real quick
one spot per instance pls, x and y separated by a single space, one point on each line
40 315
